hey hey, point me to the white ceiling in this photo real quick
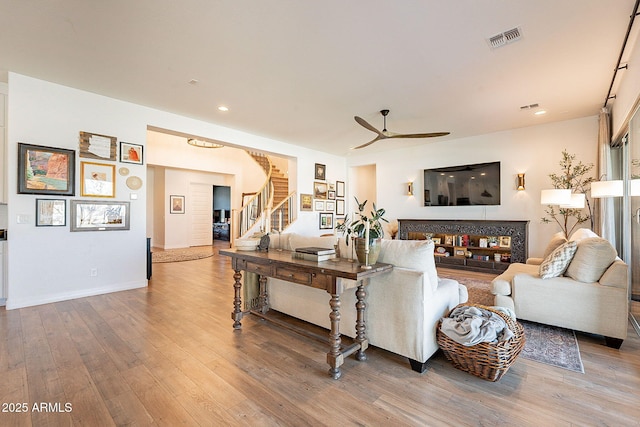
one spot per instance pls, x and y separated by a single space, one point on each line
298 71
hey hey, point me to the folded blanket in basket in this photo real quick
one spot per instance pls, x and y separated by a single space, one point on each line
469 326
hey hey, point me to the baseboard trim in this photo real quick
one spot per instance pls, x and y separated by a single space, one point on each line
12 304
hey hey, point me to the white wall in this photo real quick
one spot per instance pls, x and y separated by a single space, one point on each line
47 264
536 151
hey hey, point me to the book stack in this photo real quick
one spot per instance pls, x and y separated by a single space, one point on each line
314 254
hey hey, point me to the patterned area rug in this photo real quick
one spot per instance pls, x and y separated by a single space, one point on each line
545 344
183 254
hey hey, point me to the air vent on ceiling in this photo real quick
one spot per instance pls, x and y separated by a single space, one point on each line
507 37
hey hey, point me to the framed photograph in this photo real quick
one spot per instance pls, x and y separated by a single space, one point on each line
131 153
46 170
330 206
319 205
176 204
331 195
448 239
306 202
321 172
320 190
97 180
51 212
340 207
99 215
505 241
436 240
339 188
326 221
98 147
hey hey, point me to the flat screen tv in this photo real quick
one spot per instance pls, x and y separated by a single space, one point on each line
465 185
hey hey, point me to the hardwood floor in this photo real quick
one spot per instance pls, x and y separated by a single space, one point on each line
168 355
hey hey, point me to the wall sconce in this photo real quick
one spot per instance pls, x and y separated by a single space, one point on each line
520 182
410 189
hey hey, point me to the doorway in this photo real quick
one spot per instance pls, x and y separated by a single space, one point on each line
221 212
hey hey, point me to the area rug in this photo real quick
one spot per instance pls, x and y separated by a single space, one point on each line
544 344
183 254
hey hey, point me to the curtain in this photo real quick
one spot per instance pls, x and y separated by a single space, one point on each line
604 216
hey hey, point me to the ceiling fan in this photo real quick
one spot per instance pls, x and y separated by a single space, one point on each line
384 134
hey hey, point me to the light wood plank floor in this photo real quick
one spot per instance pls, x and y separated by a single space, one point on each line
167 355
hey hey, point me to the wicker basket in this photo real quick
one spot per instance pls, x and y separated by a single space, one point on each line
485 360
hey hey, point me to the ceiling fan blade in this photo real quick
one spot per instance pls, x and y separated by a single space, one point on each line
362 122
377 138
419 135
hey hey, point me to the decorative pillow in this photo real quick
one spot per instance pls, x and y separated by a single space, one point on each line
582 233
558 261
413 254
556 240
593 257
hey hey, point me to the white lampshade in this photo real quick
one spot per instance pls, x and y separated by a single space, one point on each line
556 196
634 187
577 201
607 189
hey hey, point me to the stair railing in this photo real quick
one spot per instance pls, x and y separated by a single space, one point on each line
256 207
284 213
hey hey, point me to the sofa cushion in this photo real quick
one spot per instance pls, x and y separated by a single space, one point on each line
558 261
556 240
593 257
412 254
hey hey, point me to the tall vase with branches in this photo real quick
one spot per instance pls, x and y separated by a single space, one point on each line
576 177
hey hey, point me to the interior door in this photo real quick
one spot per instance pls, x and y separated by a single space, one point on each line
200 209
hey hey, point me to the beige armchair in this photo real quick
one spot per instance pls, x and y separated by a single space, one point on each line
590 295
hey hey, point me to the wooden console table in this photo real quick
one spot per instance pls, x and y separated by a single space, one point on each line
325 275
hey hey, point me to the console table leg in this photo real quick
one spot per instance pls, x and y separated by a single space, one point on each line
335 357
361 336
263 302
236 315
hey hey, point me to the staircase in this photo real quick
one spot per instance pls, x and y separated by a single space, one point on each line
276 197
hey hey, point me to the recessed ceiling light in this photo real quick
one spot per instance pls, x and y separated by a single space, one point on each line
223 108
541 112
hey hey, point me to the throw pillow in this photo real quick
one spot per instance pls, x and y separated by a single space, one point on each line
556 240
558 261
593 257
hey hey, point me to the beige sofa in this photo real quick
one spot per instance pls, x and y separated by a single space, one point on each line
591 295
403 306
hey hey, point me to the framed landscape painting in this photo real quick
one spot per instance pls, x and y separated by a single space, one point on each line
46 170
97 215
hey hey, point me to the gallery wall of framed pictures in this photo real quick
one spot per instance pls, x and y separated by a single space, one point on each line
327 198
51 171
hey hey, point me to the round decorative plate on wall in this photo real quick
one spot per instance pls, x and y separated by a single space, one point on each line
134 182
123 171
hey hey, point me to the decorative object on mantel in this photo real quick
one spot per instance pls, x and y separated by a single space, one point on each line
574 177
368 233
